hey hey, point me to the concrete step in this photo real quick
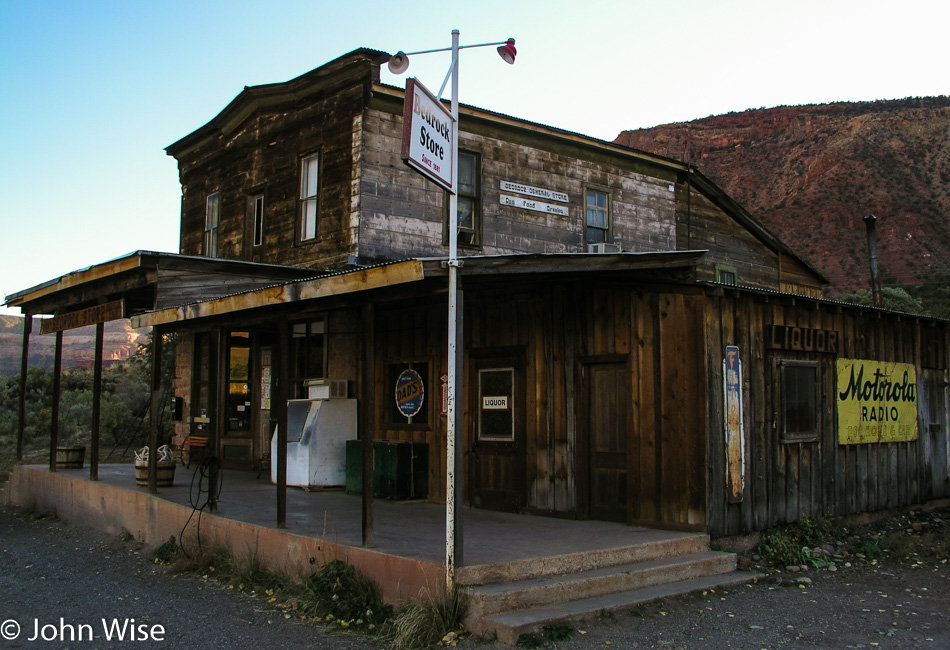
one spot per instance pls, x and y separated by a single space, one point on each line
486 600
508 626
654 545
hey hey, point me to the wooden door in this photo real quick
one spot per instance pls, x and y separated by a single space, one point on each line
497 419
932 435
607 435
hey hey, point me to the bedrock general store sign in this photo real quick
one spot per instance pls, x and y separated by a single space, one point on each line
427 134
877 402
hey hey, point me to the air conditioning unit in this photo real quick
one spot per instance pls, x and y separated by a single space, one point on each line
326 388
602 247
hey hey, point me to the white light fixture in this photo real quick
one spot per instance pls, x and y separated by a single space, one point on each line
398 63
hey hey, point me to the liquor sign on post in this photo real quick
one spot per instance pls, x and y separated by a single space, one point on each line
427 133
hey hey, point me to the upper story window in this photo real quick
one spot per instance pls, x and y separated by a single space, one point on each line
598 216
257 209
726 275
469 200
309 194
212 213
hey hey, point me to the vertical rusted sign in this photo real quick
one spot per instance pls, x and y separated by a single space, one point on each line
735 439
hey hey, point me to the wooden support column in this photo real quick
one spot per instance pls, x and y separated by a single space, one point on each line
279 406
156 387
366 420
96 405
57 383
219 369
24 366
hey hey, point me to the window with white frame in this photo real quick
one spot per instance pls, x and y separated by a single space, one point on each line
598 216
212 214
257 207
309 195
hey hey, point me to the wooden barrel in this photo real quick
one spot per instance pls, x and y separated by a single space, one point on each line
70 457
164 473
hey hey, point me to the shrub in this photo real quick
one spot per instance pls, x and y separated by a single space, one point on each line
340 592
424 624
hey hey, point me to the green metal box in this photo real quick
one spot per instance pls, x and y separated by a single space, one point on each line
400 469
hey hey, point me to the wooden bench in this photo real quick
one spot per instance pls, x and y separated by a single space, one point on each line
189 446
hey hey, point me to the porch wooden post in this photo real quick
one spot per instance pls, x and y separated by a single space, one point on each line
281 394
366 419
219 369
54 418
24 366
96 405
156 386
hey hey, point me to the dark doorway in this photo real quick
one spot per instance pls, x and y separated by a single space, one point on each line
607 397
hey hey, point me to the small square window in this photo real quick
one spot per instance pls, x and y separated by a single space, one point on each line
726 275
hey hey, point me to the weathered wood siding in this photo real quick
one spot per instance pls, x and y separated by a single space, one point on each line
788 481
558 328
402 214
702 225
263 156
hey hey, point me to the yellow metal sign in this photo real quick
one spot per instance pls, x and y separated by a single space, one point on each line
877 402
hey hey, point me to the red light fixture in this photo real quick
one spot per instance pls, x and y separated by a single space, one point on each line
508 52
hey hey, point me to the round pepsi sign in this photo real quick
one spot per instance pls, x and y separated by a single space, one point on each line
410 392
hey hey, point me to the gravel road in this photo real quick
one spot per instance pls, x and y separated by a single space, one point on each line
58 579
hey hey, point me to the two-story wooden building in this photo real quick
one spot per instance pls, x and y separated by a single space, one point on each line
635 346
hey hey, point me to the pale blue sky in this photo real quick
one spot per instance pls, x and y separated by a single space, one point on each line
91 91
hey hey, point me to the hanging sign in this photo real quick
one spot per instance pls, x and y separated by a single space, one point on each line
90 316
428 131
735 440
877 402
536 192
537 206
410 392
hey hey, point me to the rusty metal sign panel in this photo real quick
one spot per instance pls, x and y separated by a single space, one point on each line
735 435
877 402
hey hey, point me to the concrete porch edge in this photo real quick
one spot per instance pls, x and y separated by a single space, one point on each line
153 520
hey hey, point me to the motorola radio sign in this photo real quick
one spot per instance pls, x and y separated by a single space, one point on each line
877 401
427 133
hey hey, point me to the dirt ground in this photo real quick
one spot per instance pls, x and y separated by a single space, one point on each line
59 579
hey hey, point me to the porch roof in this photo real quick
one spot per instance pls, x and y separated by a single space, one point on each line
393 274
148 280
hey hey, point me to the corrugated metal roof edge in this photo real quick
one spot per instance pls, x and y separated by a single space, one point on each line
826 301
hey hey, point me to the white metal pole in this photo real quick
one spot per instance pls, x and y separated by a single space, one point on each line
452 333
